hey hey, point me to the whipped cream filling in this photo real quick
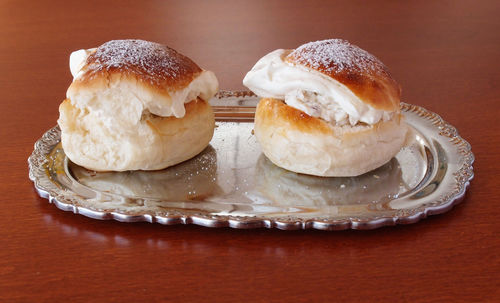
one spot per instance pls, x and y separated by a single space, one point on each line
204 85
310 91
77 61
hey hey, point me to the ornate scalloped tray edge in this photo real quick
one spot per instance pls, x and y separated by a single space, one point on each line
459 172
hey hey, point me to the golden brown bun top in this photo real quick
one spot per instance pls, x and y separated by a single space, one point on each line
151 63
365 75
273 111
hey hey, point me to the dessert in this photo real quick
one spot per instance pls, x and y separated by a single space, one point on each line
327 108
135 105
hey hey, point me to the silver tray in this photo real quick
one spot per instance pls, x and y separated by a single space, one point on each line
232 184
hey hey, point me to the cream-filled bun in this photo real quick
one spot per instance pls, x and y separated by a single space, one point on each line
327 108
135 105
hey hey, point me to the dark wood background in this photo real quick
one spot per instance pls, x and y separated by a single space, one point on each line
446 56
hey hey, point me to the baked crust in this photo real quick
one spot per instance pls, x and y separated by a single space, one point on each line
154 65
274 111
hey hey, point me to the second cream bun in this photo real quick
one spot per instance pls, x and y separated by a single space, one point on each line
328 108
135 105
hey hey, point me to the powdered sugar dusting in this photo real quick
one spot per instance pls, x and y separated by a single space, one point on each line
336 56
151 62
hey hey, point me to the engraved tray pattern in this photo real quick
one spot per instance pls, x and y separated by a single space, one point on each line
429 176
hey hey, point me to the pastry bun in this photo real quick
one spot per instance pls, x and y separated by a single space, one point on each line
328 108
135 105
298 142
153 143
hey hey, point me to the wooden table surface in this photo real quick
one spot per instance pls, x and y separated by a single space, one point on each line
446 56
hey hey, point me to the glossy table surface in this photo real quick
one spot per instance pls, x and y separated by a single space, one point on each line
445 55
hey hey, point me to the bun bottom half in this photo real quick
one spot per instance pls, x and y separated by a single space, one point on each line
152 143
293 140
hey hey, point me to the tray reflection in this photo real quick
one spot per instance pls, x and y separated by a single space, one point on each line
278 186
195 179
194 185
